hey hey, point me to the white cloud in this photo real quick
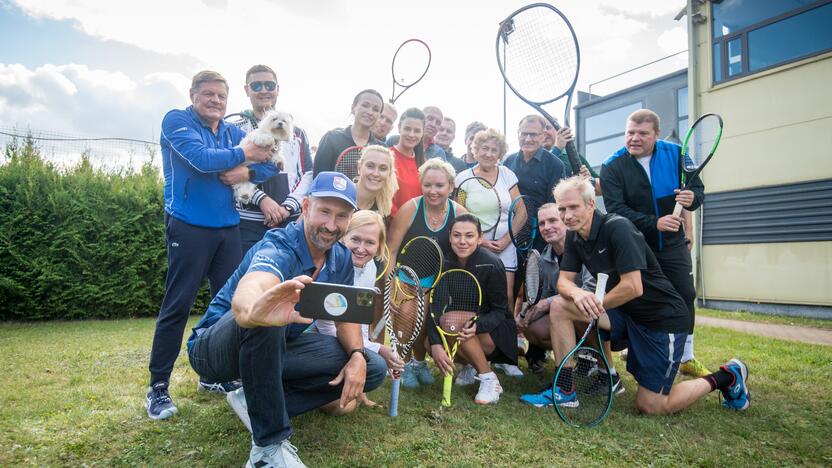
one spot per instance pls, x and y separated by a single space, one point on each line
74 99
673 40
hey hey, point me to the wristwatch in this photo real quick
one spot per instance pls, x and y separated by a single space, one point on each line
363 353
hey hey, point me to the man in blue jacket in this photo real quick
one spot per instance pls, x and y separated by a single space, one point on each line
641 183
202 158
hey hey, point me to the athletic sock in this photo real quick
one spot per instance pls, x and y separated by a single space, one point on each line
565 379
720 379
687 355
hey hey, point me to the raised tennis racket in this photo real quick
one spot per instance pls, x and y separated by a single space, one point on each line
481 199
423 255
404 314
454 304
410 64
584 377
522 223
533 285
539 58
702 139
347 162
244 122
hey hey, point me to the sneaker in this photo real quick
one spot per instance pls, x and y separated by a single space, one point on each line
409 379
490 390
522 346
510 370
158 402
736 396
617 385
466 376
537 367
539 400
283 454
222 388
586 365
570 400
423 373
237 401
693 368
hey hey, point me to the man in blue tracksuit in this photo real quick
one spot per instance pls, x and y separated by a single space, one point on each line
641 183
202 158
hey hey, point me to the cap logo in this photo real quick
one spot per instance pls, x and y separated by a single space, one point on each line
339 183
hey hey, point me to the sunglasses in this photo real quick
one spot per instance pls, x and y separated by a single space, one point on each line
257 86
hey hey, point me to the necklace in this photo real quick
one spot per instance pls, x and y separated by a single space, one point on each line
434 220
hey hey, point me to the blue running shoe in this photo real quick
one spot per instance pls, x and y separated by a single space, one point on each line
539 400
570 400
158 402
409 379
423 373
736 396
223 388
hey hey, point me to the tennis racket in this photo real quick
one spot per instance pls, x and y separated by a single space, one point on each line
403 318
410 64
539 58
481 199
454 304
522 223
347 162
584 376
244 122
423 255
532 280
381 272
702 137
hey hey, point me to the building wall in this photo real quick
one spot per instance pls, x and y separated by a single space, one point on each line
778 131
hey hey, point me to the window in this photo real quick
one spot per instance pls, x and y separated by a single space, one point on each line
682 112
605 133
752 36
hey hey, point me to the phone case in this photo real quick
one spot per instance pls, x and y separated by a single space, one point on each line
338 302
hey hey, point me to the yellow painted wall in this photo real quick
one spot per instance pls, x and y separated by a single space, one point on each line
793 273
778 130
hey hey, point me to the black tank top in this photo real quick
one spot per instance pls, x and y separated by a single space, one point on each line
419 226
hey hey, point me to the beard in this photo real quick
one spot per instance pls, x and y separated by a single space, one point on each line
319 242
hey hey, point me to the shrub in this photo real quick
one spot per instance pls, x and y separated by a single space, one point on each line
79 243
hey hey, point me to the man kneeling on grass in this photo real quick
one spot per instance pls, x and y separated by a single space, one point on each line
286 372
640 306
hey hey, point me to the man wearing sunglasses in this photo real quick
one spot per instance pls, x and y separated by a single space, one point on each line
277 201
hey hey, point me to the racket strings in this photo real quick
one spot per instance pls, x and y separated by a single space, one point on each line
411 61
587 375
703 139
481 199
455 300
423 256
532 276
541 55
347 163
404 311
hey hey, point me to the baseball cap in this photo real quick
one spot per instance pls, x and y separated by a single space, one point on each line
333 185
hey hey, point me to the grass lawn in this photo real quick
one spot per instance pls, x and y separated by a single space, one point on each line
72 394
765 318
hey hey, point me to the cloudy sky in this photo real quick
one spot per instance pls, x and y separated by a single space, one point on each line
113 68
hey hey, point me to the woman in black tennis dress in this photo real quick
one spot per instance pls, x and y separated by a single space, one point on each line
493 336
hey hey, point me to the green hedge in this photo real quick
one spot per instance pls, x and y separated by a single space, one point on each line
79 243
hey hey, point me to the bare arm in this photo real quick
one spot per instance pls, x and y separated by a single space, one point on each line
354 373
401 223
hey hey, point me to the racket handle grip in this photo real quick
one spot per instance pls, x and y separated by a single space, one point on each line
394 397
677 210
446 390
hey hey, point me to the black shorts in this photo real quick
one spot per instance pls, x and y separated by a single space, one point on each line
653 357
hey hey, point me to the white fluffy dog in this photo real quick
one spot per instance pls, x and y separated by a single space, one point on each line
275 128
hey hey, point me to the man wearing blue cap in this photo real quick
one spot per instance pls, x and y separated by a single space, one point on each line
253 331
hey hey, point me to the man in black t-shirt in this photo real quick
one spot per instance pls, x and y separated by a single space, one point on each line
640 306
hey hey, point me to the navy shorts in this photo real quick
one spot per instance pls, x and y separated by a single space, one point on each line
653 357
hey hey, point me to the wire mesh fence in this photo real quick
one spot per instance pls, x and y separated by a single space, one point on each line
63 150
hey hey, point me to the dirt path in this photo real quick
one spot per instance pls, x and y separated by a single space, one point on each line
785 332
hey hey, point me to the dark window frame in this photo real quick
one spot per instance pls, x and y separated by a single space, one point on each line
743 35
